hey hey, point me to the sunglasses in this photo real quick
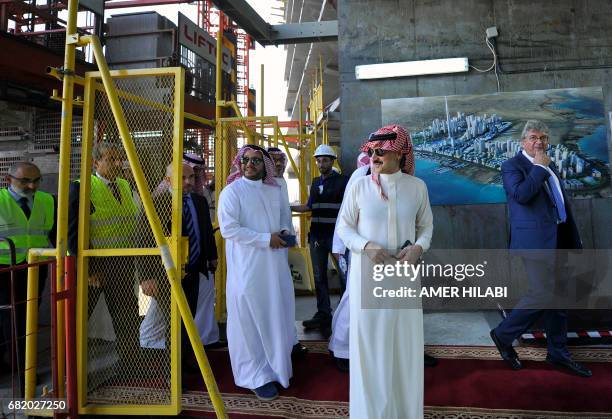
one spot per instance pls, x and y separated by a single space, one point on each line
255 160
378 151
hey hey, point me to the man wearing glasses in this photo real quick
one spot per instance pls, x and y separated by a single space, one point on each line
326 193
382 216
541 222
27 217
259 291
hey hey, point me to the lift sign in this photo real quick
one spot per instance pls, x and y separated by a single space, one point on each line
199 41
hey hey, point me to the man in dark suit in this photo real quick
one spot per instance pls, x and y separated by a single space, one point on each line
202 256
541 222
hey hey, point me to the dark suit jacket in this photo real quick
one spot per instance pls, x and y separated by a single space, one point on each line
533 216
207 240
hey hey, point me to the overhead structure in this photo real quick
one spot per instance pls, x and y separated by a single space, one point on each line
264 33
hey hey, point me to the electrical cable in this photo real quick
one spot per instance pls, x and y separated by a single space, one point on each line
493 65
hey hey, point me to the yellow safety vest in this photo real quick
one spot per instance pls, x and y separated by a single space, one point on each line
25 233
113 223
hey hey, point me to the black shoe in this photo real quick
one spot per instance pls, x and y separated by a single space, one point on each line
299 351
429 360
326 331
569 365
316 321
216 345
507 352
342 364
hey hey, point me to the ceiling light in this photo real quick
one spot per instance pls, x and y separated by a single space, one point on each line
411 68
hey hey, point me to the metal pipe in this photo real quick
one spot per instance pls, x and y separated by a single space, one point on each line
160 239
302 176
64 179
31 343
261 96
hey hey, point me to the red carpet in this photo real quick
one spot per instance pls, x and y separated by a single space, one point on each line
468 382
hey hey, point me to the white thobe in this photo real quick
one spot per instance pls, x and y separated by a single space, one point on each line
339 340
285 196
386 345
205 310
153 326
259 291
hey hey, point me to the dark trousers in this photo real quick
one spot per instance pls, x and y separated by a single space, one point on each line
191 287
320 248
118 287
544 277
19 321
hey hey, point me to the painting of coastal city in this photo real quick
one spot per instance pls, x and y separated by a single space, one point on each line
460 142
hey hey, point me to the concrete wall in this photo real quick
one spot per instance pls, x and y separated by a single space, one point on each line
544 44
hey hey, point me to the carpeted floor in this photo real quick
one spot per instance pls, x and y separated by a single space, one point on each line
469 382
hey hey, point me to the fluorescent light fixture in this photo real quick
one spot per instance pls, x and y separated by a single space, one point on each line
411 68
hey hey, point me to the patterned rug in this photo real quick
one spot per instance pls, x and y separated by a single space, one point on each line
469 382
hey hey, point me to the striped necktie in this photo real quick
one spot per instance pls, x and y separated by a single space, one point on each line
189 227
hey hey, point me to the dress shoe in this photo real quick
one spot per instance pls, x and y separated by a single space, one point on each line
267 392
569 365
216 345
317 320
342 364
429 360
507 352
299 351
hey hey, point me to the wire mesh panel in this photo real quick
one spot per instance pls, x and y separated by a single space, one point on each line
130 326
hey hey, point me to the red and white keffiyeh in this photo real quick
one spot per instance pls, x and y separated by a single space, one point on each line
392 138
236 172
363 159
274 151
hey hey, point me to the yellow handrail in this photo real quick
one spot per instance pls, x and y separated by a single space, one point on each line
170 264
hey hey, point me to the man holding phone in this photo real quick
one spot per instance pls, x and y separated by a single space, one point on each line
260 299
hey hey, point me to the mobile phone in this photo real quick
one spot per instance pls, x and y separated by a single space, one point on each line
289 240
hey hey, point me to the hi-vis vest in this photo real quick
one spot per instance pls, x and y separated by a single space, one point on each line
25 233
113 223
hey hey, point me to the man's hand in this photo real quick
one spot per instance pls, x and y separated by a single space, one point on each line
96 280
212 265
149 287
541 158
410 254
276 242
376 253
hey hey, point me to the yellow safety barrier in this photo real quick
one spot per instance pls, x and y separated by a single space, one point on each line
126 112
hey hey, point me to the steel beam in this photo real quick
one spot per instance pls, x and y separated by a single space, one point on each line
247 18
296 33
264 33
141 3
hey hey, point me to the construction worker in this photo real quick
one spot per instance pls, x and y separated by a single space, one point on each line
112 224
325 198
28 219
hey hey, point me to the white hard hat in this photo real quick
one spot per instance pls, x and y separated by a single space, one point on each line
325 150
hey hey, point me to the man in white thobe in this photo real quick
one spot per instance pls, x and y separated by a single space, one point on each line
339 339
280 164
260 299
380 213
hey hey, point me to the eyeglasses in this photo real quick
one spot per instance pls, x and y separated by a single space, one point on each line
378 151
534 138
255 160
25 180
